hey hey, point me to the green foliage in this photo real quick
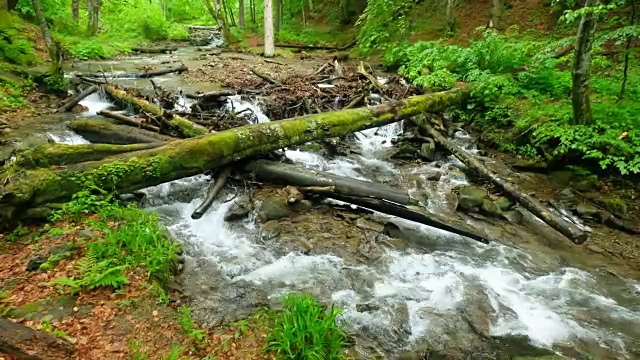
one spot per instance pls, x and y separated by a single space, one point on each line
305 329
196 336
521 97
15 46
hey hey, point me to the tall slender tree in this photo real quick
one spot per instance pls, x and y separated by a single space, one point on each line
278 22
252 10
52 46
269 48
75 11
582 66
627 51
241 13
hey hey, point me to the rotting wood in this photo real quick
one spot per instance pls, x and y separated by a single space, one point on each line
265 77
106 132
182 158
25 343
76 100
127 120
213 192
571 231
185 126
142 75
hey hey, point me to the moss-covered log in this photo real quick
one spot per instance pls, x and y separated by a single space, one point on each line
23 342
177 159
186 127
106 132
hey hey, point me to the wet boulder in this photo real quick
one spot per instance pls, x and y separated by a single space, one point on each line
240 209
504 203
616 206
405 151
489 207
470 198
586 210
270 230
428 150
433 175
513 216
274 208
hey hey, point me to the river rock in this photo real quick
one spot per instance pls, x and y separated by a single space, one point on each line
490 208
504 203
405 151
616 206
586 210
369 225
470 198
240 209
476 308
433 175
273 208
270 230
303 206
513 216
35 263
428 150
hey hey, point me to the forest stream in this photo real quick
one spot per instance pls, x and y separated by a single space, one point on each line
416 287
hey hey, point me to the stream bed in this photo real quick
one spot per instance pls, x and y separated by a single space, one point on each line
443 293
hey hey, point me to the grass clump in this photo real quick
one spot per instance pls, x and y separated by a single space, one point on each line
306 329
125 238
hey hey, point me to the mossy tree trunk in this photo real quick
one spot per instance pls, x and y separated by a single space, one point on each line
582 66
27 188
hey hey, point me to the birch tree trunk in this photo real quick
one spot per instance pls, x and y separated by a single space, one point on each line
241 13
75 11
581 67
44 28
269 48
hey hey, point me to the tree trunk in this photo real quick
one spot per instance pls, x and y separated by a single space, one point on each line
374 196
75 10
4 4
211 10
581 68
269 49
226 33
304 15
44 28
627 52
451 18
241 13
252 10
23 342
177 159
105 132
76 100
214 190
569 230
185 126
496 13
278 22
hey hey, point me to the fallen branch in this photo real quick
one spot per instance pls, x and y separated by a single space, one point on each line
573 232
155 50
265 77
143 75
25 343
182 158
315 47
127 120
214 190
76 100
106 132
186 127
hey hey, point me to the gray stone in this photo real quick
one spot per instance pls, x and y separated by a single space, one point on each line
616 206
405 151
369 225
513 216
270 230
490 208
433 175
470 198
504 203
303 206
35 263
428 150
87 233
585 209
367 307
240 209
566 194
274 208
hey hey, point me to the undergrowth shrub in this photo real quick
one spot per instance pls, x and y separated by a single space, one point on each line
15 46
521 97
306 329
129 238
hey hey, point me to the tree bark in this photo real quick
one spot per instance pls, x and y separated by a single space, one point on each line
451 18
371 195
52 47
627 52
278 22
105 132
241 13
23 342
186 127
496 13
75 10
128 121
214 190
211 10
269 49
569 230
182 158
581 67
76 100
144 75
252 10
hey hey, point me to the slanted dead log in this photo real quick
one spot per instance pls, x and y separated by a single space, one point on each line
371 195
24 188
265 77
106 132
573 232
186 127
127 120
315 47
142 75
214 190
76 100
25 343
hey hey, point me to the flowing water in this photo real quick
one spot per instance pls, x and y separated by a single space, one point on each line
436 294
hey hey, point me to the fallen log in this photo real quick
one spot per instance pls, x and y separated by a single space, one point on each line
178 159
367 194
265 77
23 342
571 231
290 174
74 101
315 47
106 132
214 190
197 27
186 127
127 120
155 50
143 75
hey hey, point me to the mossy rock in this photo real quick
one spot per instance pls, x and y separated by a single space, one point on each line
471 198
616 206
504 203
57 308
312 147
490 208
274 208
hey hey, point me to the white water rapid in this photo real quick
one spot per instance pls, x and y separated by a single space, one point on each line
421 294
